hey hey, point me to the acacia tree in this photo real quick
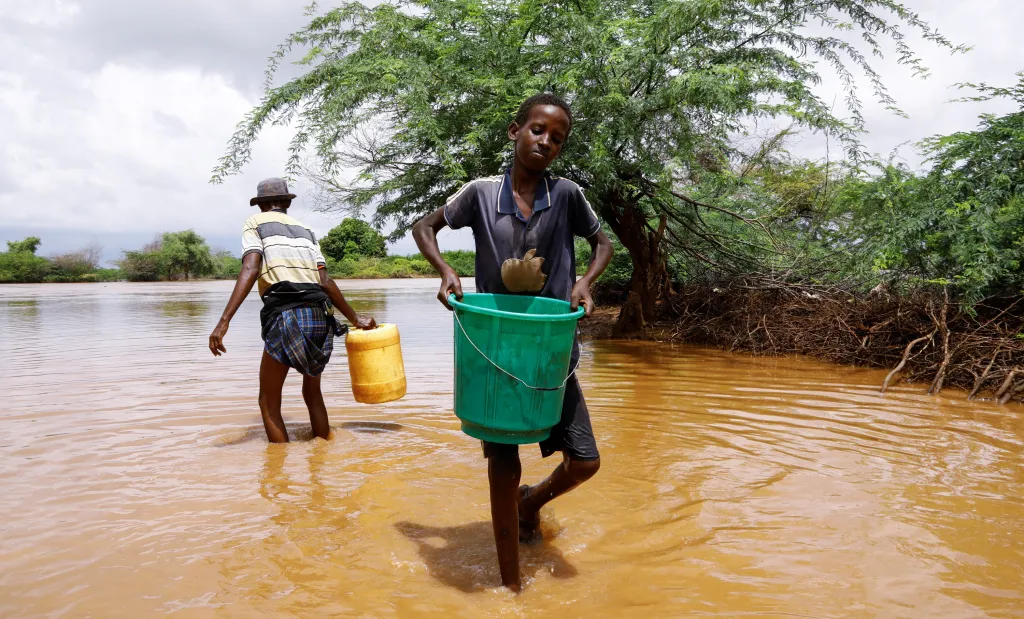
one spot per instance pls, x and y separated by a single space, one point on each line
28 245
416 95
351 238
186 253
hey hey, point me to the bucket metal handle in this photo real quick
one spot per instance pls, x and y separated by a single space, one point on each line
506 372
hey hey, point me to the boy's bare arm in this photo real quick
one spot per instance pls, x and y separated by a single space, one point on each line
247 277
601 245
425 233
338 300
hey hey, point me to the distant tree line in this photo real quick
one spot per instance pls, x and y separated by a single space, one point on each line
178 255
172 256
353 249
20 264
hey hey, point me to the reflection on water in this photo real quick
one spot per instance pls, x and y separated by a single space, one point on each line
26 310
137 480
185 308
372 427
298 431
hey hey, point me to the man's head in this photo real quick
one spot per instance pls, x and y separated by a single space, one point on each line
272 193
539 130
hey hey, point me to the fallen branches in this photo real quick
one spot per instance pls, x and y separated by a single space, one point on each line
906 357
765 315
981 380
940 375
1005 387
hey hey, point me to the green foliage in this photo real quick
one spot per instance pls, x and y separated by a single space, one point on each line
28 245
464 262
19 264
353 237
766 212
175 255
186 254
109 275
962 223
227 265
363 267
22 267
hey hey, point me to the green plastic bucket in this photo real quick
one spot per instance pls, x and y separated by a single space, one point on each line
512 358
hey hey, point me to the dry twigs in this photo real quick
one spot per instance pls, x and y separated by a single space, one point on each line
765 315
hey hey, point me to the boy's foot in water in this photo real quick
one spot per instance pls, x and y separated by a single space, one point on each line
529 524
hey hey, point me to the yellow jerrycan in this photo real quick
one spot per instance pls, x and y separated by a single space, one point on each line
375 364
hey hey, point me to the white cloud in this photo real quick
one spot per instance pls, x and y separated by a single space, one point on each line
990 26
48 13
131 150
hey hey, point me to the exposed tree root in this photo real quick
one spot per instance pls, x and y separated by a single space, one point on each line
906 357
975 350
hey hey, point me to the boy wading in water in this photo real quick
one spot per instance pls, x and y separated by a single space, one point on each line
524 223
298 326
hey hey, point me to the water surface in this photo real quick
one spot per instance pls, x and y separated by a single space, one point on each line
136 480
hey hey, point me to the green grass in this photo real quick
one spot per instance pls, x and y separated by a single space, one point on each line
398 267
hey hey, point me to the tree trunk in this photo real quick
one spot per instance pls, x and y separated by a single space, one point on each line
650 274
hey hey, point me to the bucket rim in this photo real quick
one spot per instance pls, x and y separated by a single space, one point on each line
472 309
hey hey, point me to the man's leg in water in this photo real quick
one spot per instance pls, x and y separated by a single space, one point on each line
272 375
317 409
503 473
569 474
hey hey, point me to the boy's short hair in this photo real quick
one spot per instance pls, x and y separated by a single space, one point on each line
544 98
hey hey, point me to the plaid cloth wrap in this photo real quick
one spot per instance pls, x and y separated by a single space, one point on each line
301 338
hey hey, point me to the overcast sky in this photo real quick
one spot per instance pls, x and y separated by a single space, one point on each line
113 112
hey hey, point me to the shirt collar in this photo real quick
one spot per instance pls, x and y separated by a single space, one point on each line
507 202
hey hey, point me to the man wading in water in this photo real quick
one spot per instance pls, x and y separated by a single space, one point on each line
298 326
524 223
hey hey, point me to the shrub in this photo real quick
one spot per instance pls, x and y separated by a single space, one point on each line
142 266
22 267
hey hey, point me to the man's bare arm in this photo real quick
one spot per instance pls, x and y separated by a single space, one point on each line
251 265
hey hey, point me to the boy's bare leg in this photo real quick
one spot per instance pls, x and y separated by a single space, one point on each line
569 474
317 409
272 375
503 473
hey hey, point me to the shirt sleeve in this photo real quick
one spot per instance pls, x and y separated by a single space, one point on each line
460 209
584 220
320 261
251 241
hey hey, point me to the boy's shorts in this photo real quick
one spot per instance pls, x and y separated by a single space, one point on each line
572 435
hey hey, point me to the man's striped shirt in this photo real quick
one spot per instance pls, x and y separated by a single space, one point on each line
290 250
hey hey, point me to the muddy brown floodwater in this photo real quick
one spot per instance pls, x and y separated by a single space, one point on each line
135 480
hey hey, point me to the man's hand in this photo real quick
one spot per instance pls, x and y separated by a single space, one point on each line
581 294
217 338
364 323
450 284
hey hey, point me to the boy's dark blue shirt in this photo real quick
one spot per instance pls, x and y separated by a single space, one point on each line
560 213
